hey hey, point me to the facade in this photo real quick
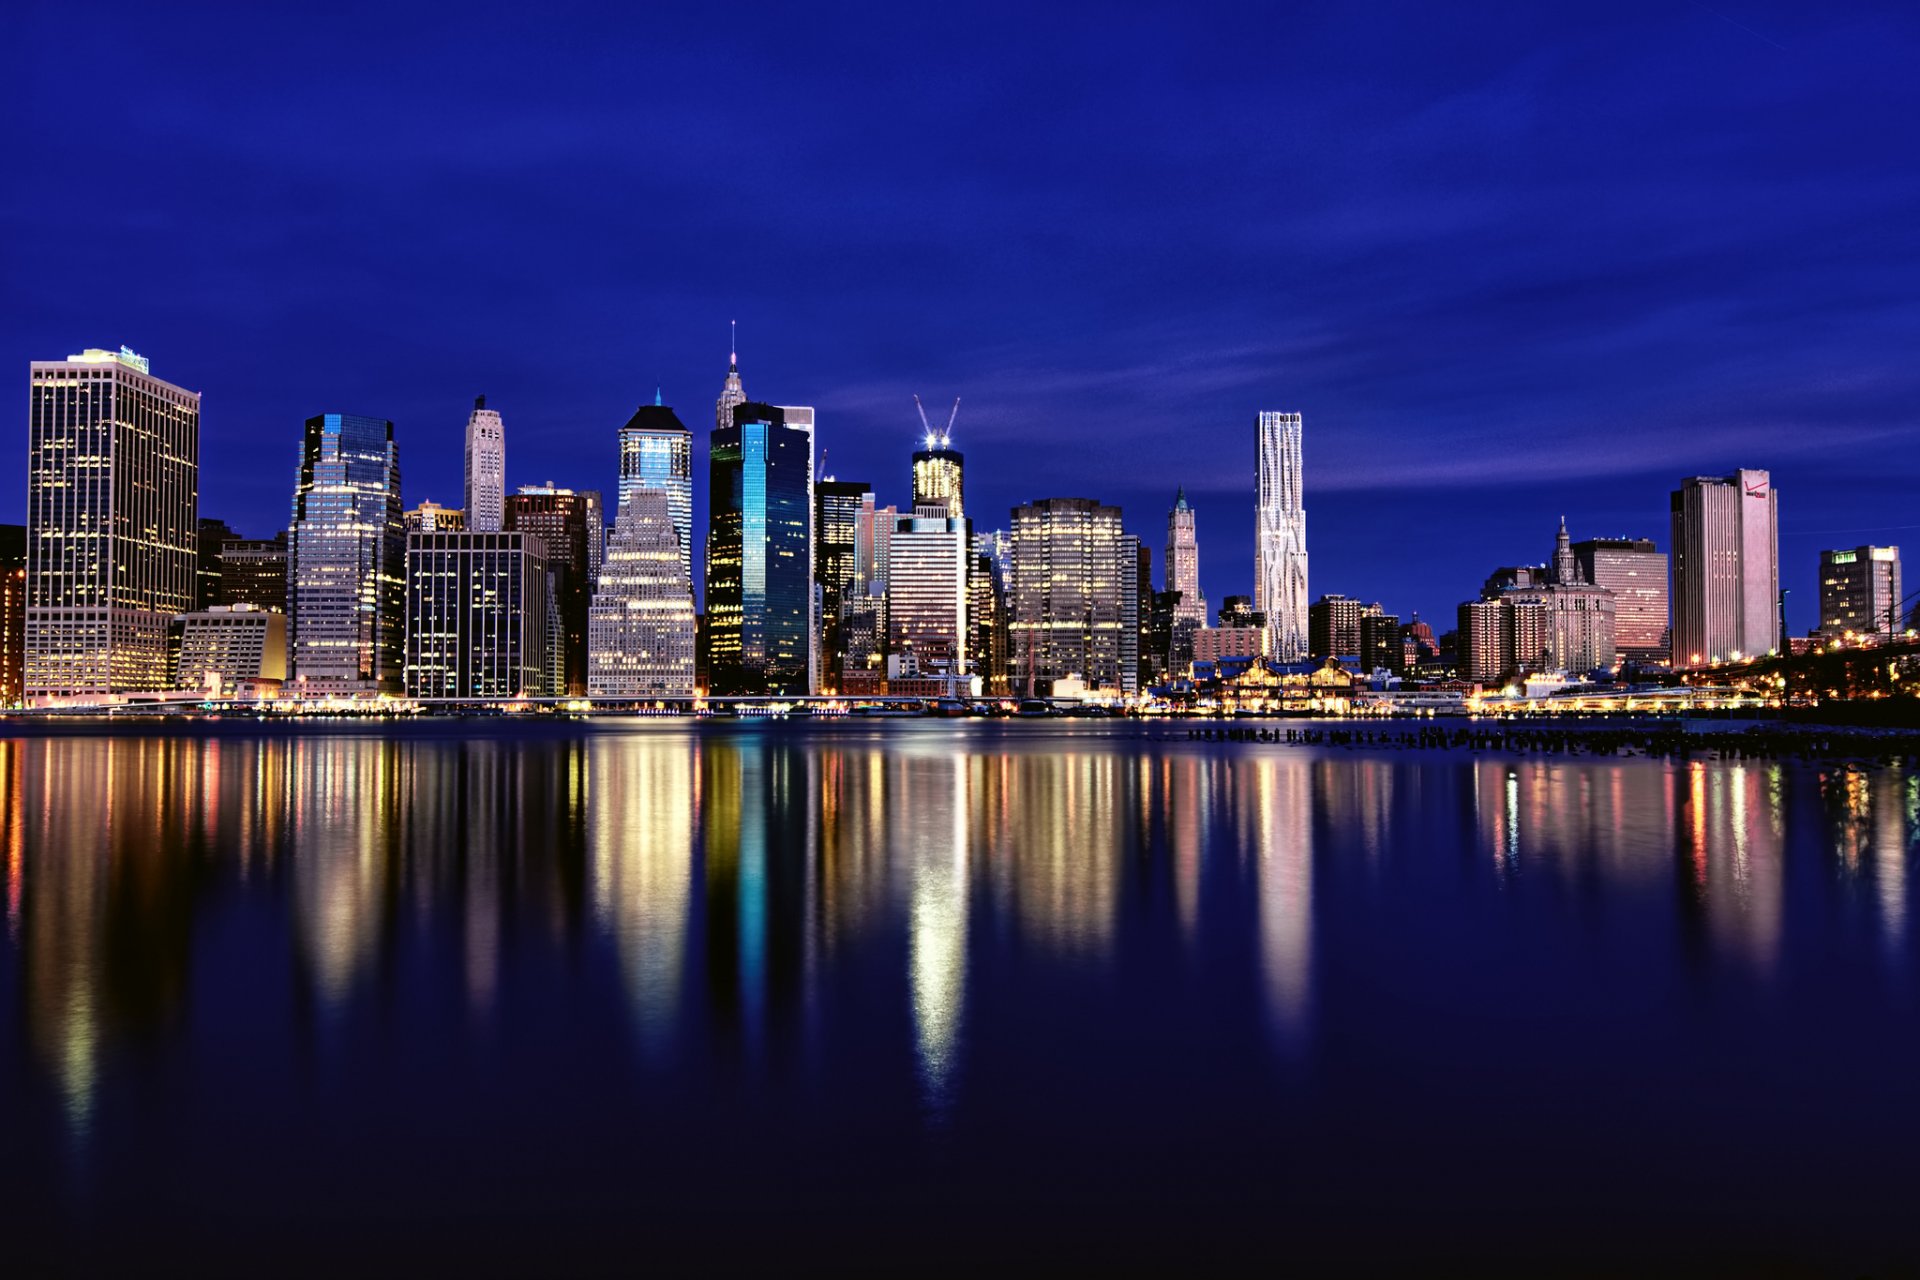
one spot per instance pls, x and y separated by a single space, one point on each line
221 646
927 593
640 627
1280 531
939 476
486 469
1860 591
112 509
254 571
212 536
1183 562
1636 572
431 517
987 623
565 522
656 452
346 558
1380 647
1486 640
837 509
1213 644
1333 627
1726 568
759 562
477 621
1074 595
13 613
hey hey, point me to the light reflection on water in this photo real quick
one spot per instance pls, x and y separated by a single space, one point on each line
762 896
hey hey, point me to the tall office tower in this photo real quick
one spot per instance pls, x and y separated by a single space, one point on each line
596 517
656 452
113 476
733 392
1333 627
1860 591
255 572
987 621
477 624
1636 573
1150 670
565 523
640 631
837 508
939 470
1726 568
1486 638
927 592
431 517
212 535
1280 529
1380 648
486 468
1073 571
1183 562
346 561
13 613
760 633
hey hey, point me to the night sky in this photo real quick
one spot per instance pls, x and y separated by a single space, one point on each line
1509 261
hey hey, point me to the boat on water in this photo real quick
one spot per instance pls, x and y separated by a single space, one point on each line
1036 708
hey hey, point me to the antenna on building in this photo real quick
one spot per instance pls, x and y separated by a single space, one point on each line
733 343
656 395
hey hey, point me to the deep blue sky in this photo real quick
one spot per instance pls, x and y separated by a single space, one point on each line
1509 261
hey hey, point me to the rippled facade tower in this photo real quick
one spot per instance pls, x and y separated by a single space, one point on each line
113 473
1280 531
486 469
346 557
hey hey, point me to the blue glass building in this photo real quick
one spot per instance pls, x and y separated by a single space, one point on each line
346 558
656 452
760 552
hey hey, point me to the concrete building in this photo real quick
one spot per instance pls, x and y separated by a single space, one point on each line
486 469
113 472
431 517
211 537
1280 530
640 628
569 524
1860 592
254 571
1074 596
927 590
1636 572
838 506
1726 568
761 637
1213 644
227 644
346 564
1380 647
656 452
477 616
1333 627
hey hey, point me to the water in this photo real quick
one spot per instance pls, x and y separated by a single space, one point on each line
534 998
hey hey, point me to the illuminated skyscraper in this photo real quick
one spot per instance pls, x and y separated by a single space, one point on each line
760 624
1860 591
1636 572
566 523
656 452
255 572
486 469
113 468
1183 562
837 509
939 470
13 612
477 616
640 629
1074 599
1726 568
733 392
1280 528
927 591
346 561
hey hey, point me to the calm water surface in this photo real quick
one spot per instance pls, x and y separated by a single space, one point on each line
916 996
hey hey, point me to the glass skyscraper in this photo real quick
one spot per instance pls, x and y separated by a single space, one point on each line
656 452
113 471
1074 600
346 563
837 508
760 605
640 630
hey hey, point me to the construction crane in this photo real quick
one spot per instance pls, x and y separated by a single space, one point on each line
938 439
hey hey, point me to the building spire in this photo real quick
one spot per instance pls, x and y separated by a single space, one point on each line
656 395
733 346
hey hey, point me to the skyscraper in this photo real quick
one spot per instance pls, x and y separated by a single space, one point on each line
213 535
1333 627
1280 529
1636 572
477 620
1860 591
486 469
1726 568
565 522
837 508
346 562
1183 562
1074 571
656 452
13 612
255 572
113 470
939 470
640 629
733 392
927 592
759 562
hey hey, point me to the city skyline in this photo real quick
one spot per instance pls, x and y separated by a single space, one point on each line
1495 303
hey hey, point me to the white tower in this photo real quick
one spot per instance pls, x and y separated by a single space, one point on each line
486 469
1280 528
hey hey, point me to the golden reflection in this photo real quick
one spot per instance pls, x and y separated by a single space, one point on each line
647 806
937 839
1279 813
